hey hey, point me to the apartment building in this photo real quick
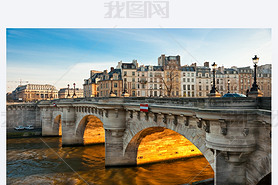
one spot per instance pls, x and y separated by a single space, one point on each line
264 79
203 80
188 81
245 79
231 80
90 84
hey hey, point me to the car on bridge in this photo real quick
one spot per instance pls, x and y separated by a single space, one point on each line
29 127
235 95
20 127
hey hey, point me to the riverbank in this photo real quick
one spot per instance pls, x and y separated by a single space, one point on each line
11 133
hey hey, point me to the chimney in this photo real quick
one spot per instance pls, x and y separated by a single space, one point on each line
111 69
206 64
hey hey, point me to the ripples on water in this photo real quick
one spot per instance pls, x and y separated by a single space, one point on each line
30 161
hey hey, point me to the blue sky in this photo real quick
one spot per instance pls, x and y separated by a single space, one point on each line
62 56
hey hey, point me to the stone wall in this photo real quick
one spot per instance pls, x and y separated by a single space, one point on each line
23 114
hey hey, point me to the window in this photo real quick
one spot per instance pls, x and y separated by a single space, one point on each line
184 79
183 74
155 93
188 87
177 93
192 79
200 93
189 94
133 93
133 79
116 92
125 73
151 74
133 73
115 84
188 79
188 74
151 80
133 86
207 87
200 87
138 93
192 74
192 87
138 86
143 86
184 87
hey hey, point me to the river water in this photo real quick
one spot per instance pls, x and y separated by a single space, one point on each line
45 161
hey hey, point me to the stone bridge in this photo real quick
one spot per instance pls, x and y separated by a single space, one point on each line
233 134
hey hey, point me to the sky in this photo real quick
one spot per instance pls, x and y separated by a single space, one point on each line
66 56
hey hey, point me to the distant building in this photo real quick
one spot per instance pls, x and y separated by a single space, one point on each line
90 85
245 79
231 75
172 76
128 71
188 81
110 82
203 80
264 79
65 93
34 92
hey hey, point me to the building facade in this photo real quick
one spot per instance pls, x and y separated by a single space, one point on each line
69 93
245 79
203 80
34 92
90 84
188 81
264 79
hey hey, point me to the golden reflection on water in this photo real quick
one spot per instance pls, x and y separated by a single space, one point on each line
30 161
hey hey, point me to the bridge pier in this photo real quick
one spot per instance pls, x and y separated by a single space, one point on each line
230 168
114 154
69 137
47 129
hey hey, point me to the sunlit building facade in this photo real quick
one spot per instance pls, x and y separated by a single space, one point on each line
34 92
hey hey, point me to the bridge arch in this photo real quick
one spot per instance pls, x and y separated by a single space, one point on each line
89 130
195 144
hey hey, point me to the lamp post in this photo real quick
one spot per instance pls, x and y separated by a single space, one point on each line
74 95
213 91
125 94
68 90
228 86
111 92
255 91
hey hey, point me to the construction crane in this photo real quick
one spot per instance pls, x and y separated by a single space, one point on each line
20 82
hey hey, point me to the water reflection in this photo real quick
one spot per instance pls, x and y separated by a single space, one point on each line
30 161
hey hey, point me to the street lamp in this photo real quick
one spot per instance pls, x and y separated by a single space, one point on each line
228 86
213 91
125 94
68 90
214 66
74 95
255 86
255 91
111 92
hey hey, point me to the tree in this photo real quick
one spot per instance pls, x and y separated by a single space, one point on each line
169 80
